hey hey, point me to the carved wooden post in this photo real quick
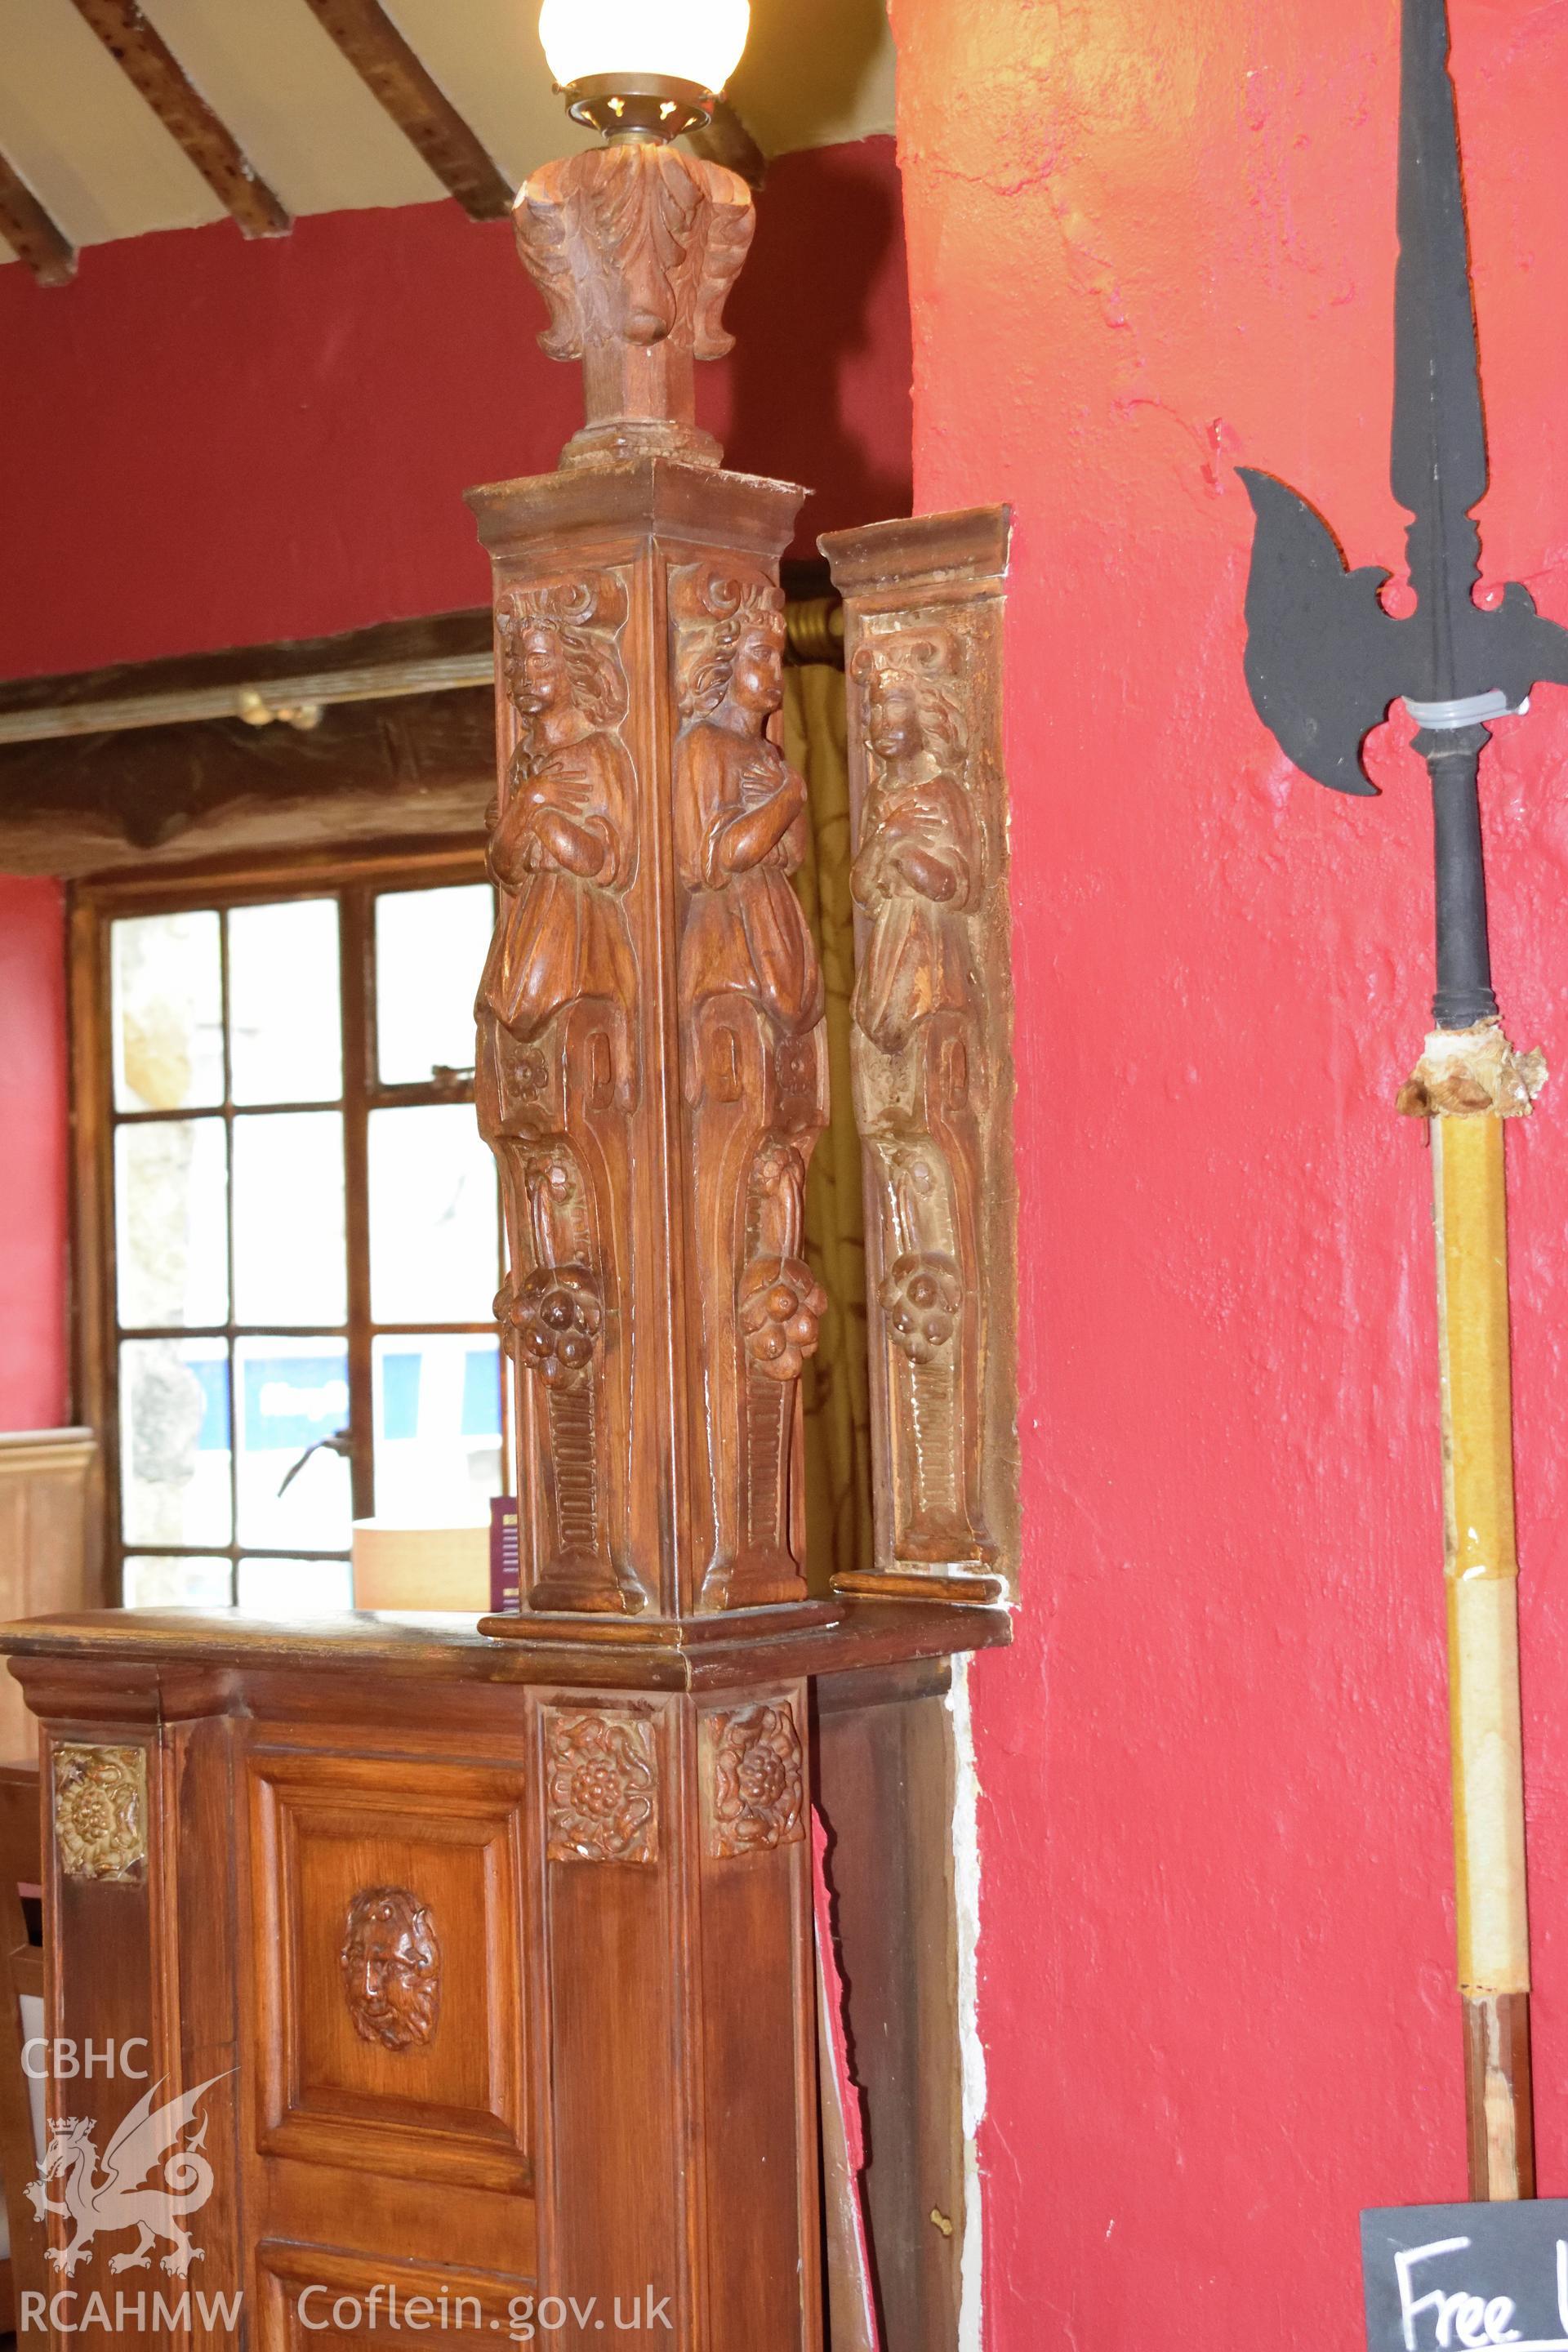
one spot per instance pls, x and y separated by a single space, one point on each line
932 1044
652 1077
507 1942
651 1057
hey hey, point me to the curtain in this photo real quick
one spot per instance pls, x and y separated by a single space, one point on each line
837 1411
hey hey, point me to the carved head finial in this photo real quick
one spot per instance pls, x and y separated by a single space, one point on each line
635 249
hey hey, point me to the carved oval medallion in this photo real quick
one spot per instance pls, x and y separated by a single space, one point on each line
390 1960
100 1811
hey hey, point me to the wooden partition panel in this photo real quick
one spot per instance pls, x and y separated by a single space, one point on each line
48 1547
885 1767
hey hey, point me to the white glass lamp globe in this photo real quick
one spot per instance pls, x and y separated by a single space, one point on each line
694 41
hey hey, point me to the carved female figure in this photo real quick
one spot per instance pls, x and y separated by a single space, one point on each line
555 1077
563 845
752 1004
918 875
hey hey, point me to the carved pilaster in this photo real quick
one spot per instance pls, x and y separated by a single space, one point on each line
753 1066
652 1070
931 1044
558 1066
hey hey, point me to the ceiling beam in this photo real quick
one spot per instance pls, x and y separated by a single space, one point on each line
420 108
725 138
157 74
31 234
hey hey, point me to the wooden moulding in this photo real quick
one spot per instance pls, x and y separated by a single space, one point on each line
933 1046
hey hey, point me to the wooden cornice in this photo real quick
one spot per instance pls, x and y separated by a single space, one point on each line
33 235
156 73
423 114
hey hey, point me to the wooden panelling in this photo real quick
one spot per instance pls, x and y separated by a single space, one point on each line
311 2295
389 1920
885 1787
48 1556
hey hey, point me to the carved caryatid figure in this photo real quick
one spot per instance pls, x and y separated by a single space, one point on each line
918 876
556 1069
755 1066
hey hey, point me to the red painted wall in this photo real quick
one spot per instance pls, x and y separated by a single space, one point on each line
1216 1923
209 443
32 1375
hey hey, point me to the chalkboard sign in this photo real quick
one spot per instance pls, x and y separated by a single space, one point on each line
1450 2278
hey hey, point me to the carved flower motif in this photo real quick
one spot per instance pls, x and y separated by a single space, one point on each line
100 1811
603 1790
531 1071
797 1066
759 1783
921 1295
550 1321
781 1305
777 1168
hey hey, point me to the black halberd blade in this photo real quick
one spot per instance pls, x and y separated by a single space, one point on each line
1324 662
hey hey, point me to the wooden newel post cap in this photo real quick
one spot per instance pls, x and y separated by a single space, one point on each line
635 247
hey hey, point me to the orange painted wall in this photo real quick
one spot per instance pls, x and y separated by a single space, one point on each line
1217 1959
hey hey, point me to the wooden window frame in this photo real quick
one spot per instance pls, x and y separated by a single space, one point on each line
355 878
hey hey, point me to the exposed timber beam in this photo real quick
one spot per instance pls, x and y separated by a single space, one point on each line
30 233
151 66
420 108
726 139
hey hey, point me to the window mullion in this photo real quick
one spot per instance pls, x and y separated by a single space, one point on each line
358 1001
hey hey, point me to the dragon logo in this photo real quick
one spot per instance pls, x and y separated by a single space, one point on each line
117 2199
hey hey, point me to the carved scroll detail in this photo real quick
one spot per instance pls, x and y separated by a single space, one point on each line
635 249
753 1066
923 1071
100 1811
557 1069
602 1779
391 1964
757 1781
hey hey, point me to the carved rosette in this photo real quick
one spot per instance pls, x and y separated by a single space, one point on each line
635 249
601 1787
753 1065
757 1777
390 1959
100 1811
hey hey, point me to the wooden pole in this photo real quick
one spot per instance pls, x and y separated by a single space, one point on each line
1482 1575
